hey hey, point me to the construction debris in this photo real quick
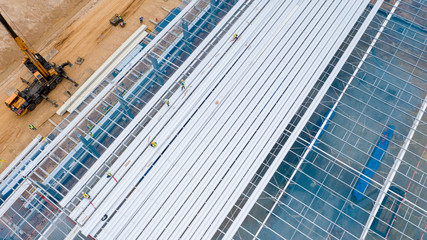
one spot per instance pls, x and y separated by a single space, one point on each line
79 61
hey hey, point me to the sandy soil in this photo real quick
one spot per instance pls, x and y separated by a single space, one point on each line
79 29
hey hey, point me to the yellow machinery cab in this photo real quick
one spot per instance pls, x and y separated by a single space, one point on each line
14 103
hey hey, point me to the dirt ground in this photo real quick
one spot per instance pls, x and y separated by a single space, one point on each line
64 29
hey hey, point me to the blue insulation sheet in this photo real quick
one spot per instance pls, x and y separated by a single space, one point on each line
373 163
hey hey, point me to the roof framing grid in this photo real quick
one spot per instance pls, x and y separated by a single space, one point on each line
260 187
273 88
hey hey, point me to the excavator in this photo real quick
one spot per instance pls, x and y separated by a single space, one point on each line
46 77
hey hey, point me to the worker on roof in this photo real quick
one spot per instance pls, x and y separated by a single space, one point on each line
31 126
153 144
182 84
85 195
235 37
167 102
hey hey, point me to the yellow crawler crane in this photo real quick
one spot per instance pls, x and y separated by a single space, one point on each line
46 77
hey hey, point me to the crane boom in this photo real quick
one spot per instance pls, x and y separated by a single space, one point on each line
28 52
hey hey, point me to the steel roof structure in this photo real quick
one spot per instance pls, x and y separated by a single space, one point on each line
307 124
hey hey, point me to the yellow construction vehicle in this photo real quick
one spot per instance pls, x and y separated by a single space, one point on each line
46 77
